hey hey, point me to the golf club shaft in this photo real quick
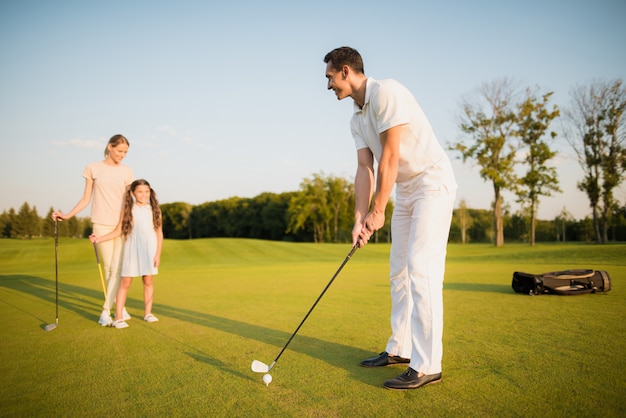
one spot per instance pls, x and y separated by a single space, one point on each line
56 267
104 289
354 248
51 327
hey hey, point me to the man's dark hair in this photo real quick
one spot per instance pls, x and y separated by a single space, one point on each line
345 55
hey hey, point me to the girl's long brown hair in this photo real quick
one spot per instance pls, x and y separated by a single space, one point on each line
127 219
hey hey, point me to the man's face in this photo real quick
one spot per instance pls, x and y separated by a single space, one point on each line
337 81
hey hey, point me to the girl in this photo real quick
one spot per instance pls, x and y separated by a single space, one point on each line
140 225
106 181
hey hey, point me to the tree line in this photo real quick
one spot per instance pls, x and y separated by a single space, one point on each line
320 211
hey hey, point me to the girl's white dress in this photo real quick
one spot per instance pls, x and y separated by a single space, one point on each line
140 245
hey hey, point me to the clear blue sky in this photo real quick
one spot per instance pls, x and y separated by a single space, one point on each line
222 99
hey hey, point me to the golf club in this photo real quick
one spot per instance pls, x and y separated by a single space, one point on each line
104 288
260 367
51 327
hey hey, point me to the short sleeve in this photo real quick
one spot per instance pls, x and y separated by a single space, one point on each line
389 108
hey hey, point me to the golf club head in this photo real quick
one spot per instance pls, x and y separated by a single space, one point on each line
50 327
259 367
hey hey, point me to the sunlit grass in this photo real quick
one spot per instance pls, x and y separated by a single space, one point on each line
224 302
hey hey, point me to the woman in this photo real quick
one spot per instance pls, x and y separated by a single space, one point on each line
106 182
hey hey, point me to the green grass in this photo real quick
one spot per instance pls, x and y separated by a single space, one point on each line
224 302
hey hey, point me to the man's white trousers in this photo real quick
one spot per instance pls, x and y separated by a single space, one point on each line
420 227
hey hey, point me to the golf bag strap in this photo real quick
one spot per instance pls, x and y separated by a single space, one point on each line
569 274
573 288
575 285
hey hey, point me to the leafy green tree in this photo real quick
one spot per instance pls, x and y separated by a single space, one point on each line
561 222
224 215
263 216
490 124
75 227
236 217
545 231
340 198
204 220
323 205
72 228
271 215
48 224
618 224
464 220
309 209
597 134
6 223
516 227
176 220
582 230
27 223
534 119
481 228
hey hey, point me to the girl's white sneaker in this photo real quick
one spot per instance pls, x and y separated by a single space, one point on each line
119 324
150 318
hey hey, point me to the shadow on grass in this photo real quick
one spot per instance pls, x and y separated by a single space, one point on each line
72 298
79 300
335 354
479 287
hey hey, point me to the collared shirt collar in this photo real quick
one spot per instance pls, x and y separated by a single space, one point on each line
368 90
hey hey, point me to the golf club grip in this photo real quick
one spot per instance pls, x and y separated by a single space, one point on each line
95 248
354 248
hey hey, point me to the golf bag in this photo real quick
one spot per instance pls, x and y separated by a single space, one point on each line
567 282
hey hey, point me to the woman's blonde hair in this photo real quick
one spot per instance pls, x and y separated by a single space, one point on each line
114 142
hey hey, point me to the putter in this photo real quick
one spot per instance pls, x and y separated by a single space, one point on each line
260 367
51 327
104 288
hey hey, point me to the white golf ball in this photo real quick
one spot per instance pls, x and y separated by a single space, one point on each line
267 379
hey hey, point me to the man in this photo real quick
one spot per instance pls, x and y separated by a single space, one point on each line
388 125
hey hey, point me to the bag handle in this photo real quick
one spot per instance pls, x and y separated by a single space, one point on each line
574 288
569 274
